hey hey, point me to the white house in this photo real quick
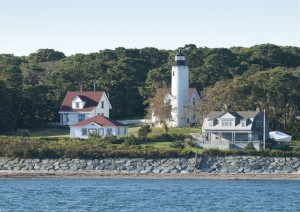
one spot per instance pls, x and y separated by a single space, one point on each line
227 130
81 105
183 98
99 125
190 115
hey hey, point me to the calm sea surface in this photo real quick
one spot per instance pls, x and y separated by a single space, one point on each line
148 195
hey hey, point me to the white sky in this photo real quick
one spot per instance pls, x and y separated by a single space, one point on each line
78 26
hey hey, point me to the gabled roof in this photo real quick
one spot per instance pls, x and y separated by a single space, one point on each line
100 120
91 98
191 91
243 115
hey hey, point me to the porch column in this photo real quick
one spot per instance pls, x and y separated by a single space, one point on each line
234 137
221 136
61 119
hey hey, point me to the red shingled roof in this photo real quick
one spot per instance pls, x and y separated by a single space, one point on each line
91 98
191 91
100 120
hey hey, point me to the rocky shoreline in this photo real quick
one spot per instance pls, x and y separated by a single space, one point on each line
201 167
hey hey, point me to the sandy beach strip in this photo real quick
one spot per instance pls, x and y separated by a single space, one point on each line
118 175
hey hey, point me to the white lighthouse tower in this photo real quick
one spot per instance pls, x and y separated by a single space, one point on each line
180 91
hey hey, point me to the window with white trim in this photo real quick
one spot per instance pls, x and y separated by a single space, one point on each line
243 123
226 123
211 123
102 104
81 117
93 131
76 104
109 131
101 131
84 132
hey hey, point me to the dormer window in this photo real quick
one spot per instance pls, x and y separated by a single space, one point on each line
243 123
78 103
226 123
211 123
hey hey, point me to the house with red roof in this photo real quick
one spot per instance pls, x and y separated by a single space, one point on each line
78 106
98 125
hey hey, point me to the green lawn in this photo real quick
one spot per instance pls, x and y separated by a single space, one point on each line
50 132
133 130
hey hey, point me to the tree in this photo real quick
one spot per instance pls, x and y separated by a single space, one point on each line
161 106
44 55
144 131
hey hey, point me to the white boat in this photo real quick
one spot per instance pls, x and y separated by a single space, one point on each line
280 136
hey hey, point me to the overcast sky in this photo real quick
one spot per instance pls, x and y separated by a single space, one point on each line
78 26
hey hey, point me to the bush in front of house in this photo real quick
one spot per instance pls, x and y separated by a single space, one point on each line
144 131
250 147
177 144
130 140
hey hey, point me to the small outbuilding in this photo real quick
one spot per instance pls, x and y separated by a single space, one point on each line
99 125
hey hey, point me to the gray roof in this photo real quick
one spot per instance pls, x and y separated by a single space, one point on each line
243 115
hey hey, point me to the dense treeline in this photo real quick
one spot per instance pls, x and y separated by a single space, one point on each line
32 87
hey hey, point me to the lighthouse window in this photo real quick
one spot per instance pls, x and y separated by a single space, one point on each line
173 73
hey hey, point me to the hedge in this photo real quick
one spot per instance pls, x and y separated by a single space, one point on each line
263 153
22 147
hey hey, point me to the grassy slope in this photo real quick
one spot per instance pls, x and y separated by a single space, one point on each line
51 132
157 131
133 130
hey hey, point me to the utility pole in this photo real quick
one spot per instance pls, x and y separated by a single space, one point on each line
264 136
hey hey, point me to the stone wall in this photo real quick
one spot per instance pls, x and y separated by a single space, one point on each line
236 164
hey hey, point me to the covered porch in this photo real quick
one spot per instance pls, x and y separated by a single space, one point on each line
216 136
228 139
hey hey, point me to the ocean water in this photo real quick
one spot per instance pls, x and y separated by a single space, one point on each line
148 195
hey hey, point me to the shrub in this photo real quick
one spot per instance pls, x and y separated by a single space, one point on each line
177 144
296 149
189 142
131 140
180 137
144 131
164 137
250 147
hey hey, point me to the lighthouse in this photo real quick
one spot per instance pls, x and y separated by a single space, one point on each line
180 91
